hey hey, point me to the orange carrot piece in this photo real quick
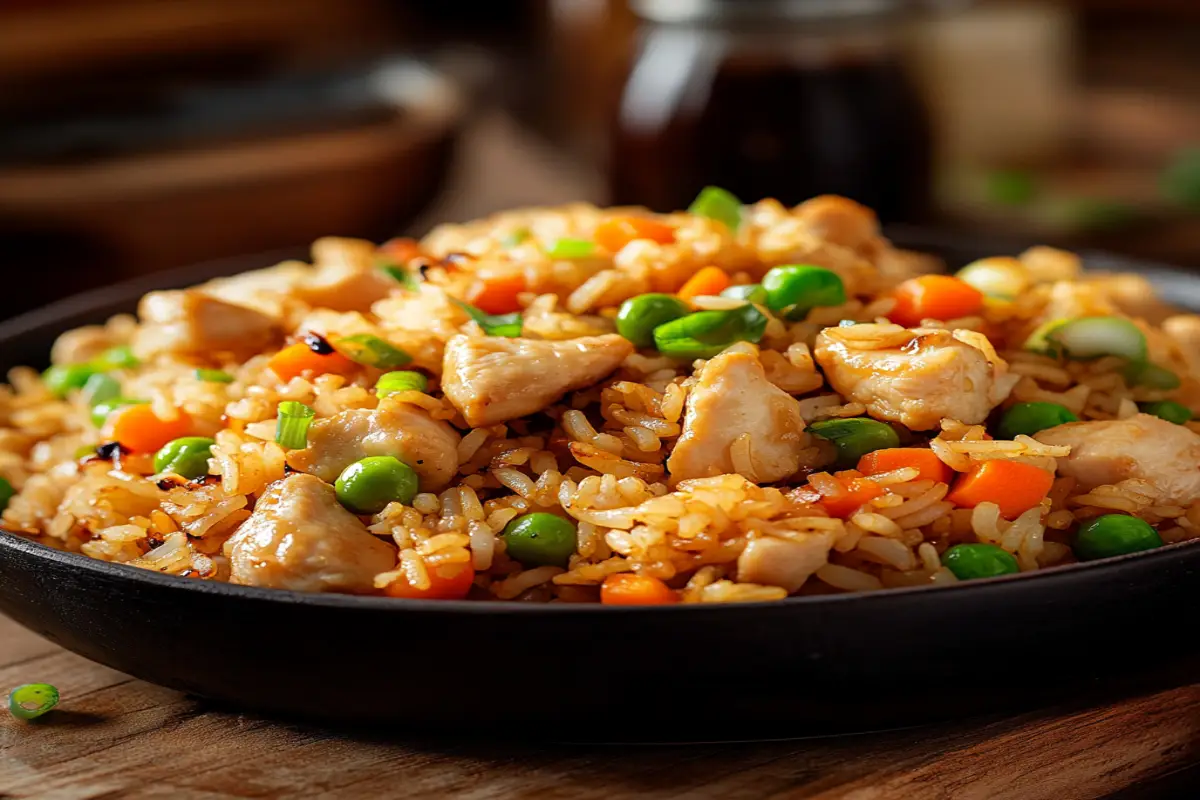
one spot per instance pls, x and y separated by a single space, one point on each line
446 582
617 232
707 281
497 294
299 358
1013 486
627 589
934 297
858 491
929 467
140 430
401 250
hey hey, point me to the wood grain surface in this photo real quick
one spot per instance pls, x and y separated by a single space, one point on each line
116 737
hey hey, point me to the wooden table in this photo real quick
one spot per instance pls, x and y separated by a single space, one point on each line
113 736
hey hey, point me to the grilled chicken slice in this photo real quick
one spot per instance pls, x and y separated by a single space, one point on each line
492 379
300 538
344 276
916 377
783 562
190 322
733 398
1104 452
427 445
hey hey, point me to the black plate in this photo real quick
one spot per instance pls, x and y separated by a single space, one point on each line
803 666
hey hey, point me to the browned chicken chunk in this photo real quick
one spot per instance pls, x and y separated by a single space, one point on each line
783 562
191 322
344 277
733 398
1104 452
427 445
493 379
300 538
915 377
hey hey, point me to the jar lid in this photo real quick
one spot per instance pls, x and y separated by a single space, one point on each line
762 10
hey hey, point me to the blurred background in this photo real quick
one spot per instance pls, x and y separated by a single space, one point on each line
138 135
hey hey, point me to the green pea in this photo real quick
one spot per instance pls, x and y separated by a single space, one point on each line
62 378
100 411
855 437
1029 418
795 289
971 561
540 540
368 485
187 456
6 493
639 316
706 333
750 292
1115 535
1168 410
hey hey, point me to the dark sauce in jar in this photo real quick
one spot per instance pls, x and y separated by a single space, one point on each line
765 110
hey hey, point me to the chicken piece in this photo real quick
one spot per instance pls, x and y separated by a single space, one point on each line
300 538
427 445
1133 295
915 377
492 379
787 563
841 221
267 290
1048 264
190 322
81 344
1104 452
731 399
344 277
1184 330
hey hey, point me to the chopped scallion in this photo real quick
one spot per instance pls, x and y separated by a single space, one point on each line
32 700
515 238
400 274
400 381
571 248
291 431
99 388
507 325
1152 376
214 376
119 357
372 351
716 203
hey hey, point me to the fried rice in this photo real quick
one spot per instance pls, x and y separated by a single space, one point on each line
705 474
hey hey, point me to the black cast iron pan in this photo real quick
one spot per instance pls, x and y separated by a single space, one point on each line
803 666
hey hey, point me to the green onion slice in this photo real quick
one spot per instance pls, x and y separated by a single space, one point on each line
716 203
1039 341
571 248
372 351
291 431
100 388
1092 337
7 491
507 325
515 238
119 357
399 274
214 376
400 381
1143 373
32 700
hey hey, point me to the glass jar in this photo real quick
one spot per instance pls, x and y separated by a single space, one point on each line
772 98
